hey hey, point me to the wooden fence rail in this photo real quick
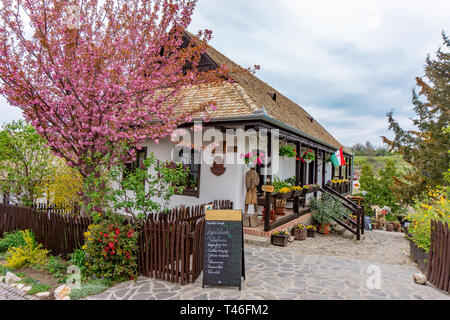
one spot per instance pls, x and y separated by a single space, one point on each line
439 256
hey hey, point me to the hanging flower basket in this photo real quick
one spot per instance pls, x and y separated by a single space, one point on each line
309 156
252 159
288 151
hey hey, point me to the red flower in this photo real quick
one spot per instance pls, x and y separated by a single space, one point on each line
117 231
111 245
106 235
130 233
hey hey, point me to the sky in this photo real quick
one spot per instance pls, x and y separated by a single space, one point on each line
347 63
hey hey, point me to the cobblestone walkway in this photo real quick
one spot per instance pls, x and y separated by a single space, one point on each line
9 293
318 269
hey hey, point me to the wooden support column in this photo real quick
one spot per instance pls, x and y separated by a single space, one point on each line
333 171
298 175
324 167
268 205
316 169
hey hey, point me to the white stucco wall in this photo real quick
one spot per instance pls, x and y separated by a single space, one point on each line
286 168
229 186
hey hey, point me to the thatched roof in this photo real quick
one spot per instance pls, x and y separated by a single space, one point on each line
249 96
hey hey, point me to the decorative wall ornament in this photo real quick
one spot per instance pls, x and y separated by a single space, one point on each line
218 167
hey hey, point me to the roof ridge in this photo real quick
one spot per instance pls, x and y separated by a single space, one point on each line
250 103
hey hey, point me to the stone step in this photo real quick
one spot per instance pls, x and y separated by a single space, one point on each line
339 230
256 241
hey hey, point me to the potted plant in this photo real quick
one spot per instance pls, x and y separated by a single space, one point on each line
311 231
300 232
288 151
280 238
296 191
324 210
309 156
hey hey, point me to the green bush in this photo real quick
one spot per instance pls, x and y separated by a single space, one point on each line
10 240
56 266
90 288
78 258
326 208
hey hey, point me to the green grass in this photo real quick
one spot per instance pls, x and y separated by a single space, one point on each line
36 287
4 270
378 163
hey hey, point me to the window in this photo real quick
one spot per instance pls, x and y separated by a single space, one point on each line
140 157
191 160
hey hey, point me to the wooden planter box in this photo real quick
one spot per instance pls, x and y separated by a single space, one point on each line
283 196
300 234
278 240
311 233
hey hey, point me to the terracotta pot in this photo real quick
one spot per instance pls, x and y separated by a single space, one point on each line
278 240
300 234
324 229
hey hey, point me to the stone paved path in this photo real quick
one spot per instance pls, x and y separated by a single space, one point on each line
9 293
316 269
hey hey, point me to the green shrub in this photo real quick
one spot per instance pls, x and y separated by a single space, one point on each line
10 240
28 255
56 266
90 288
78 258
326 208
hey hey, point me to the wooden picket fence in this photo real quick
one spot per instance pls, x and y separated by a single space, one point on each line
60 233
171 245
68 209
439 256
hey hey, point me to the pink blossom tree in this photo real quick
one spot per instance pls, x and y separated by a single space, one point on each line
92 76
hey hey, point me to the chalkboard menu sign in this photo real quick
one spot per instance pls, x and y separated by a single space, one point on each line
223 258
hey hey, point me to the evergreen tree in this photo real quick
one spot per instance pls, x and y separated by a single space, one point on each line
426 148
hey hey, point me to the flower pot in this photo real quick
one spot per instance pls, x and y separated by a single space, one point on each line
310 233
278 240
300 234
389 227
324 229
279 211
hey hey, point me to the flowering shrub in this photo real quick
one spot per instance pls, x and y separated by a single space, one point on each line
111 250
435 207
31 254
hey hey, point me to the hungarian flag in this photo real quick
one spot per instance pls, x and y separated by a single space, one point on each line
338 158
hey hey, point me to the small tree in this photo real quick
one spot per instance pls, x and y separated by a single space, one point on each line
25 163
379 190
137 193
